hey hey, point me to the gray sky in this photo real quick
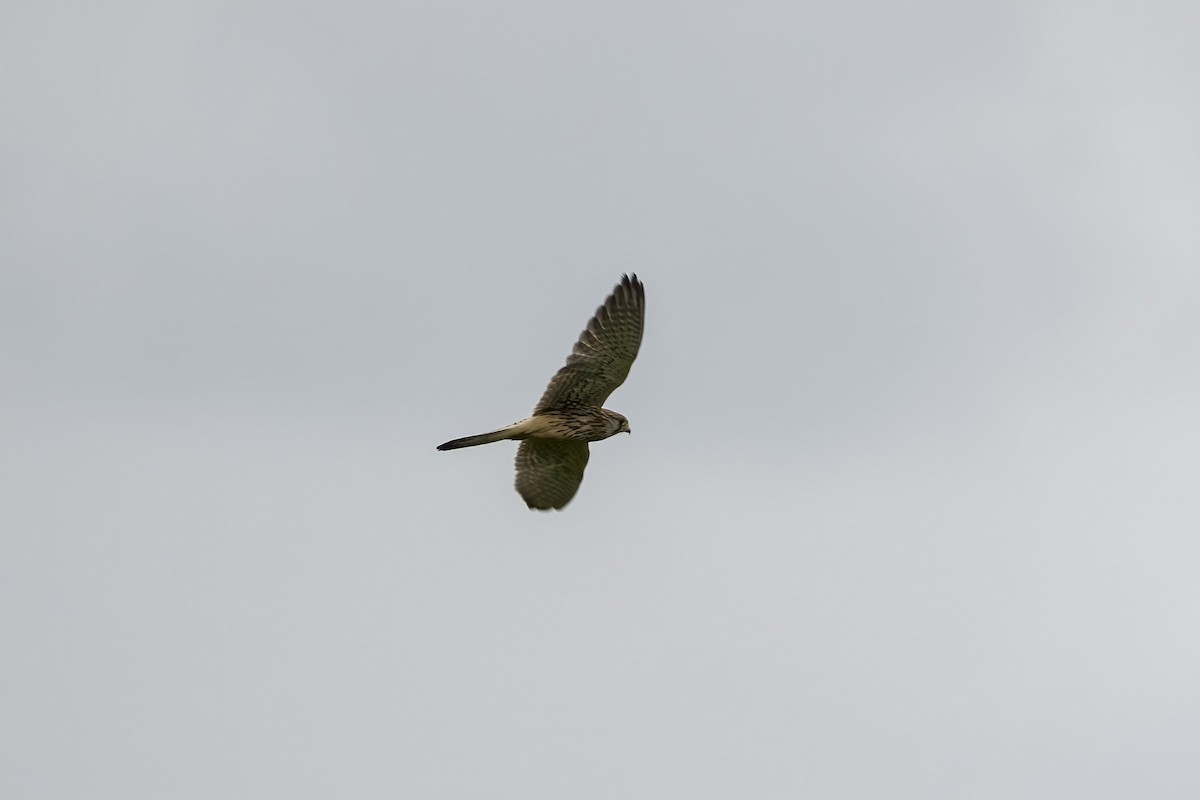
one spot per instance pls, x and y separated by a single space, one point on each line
910 505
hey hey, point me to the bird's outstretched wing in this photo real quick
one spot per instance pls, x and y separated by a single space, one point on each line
601 358
549 471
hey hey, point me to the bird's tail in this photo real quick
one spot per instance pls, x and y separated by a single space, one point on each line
514 431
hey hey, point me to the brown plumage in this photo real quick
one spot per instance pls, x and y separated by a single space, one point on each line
554 441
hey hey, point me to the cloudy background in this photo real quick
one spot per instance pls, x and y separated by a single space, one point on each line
910 505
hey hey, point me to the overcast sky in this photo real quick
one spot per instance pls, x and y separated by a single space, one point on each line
910 506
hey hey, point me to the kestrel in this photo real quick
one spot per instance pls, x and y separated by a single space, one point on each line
554 441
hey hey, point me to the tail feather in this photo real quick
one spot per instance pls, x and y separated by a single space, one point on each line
482 438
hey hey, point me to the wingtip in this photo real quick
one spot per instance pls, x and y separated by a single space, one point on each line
631 286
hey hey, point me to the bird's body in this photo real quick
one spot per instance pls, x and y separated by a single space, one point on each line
554 441
586 425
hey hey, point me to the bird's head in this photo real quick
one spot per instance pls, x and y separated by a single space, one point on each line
618 422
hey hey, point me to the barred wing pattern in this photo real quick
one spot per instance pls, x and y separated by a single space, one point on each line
549 471
601 359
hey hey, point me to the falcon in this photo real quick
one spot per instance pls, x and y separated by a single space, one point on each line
554 441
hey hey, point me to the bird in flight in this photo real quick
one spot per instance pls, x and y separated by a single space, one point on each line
554 441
